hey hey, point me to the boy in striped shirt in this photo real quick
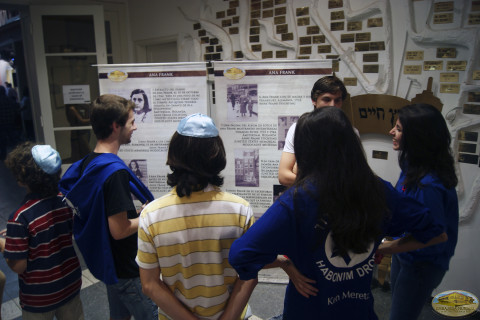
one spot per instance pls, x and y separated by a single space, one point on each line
185 236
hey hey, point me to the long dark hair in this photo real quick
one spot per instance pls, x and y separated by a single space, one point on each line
425 146
146 106
351 197
195 162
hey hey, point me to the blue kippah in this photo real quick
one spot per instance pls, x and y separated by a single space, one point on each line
197 125
47 158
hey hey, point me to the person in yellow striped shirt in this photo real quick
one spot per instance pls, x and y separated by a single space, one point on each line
184 237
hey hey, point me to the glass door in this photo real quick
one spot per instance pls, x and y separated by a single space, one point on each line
68 42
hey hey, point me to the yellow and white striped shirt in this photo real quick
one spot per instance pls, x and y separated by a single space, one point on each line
189 239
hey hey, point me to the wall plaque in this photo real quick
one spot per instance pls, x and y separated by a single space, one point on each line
267 4
235 19
467 158
254 23
370 68
332 56
213 41
277 2
254 38
287 36
318 39
303 21
449 77
414 55
325 49
202 33
305 40
282 28
456 65
467 147
370 57
267 54
332 4
450 88
281 54
337 15
474 97
232 12
469 108
313 30
354 26
365 46
197 26
474 18
375 22
335 66
306 50
377 46
304 11
350 82
337 26
226 23
364 36
376 154
444 6
475 5
256 6
442 18
412 69
267 14
476 75
234 4
432 65
468 135
256 14
347 37
257 47
303 57
446 52
255 30
281 11
220 14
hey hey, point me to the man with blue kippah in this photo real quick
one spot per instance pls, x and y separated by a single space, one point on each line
185 236
38 244
99 189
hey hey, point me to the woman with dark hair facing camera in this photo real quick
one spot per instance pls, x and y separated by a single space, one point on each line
142 107
428 175
186 235
331 222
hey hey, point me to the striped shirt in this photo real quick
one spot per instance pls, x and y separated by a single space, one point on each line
189 239
41 232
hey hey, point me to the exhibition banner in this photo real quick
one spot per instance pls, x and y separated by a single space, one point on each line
164 94
256 102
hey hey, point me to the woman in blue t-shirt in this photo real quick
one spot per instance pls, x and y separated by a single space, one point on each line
428 175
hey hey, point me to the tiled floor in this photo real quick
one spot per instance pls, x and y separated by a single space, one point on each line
266 300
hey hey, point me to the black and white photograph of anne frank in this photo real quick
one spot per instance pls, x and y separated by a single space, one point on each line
143 111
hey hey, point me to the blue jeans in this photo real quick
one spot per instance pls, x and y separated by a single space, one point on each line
126 299
412 286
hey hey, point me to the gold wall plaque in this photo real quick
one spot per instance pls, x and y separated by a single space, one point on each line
220 14
337 26
370 68
333 4
204 40
475 6
375 22
304 11
444 6
281 54
325 49
255 30
305 40
277 2
267 4
303 21
202 33
254 38
432 65
446 52
354 26
468 135
219 48
233 30
377 46
456 65
468 158
469 108
256 14
347 37
234 4
414 55
450 88
238 54
365 46
474 18
332 56
267 13
412 69
232 12
442 18
350 82
256 47
364 36
280 11
306 50
467 147
235 19
209 49
474 97
476 75
303 57
280 20
227 23
254 23
197 26
282 28
337 15
336 66
449 76
287 36
318 39
313 30
376 154
267 54
370 57
213 41
256 6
